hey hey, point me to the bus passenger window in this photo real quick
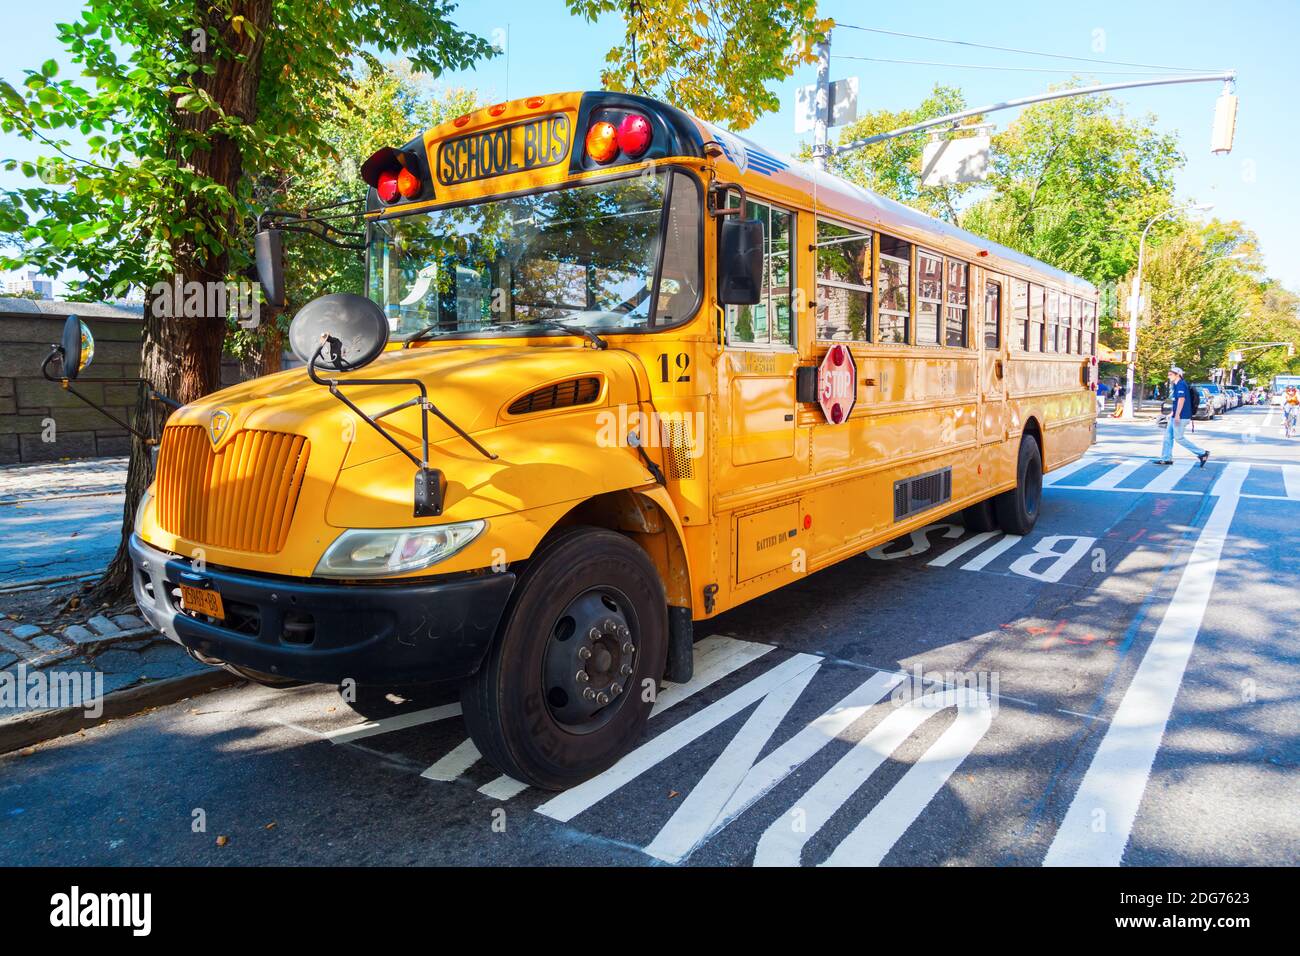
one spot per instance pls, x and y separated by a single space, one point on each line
1053 320
770 322
929 296
1077 310
955 287
1035 318
843 283
895 289
1020 314
992 315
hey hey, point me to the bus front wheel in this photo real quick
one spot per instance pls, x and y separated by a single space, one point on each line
570 680
1017 509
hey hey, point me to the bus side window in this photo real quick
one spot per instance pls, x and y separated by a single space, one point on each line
771 321
1053 321
958 275
1020 314
843 283
992 315
895 290
1035 318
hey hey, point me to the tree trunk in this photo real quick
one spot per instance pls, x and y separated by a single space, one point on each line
180 355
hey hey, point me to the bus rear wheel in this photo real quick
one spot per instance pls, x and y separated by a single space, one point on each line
980 516
560 696
1017 509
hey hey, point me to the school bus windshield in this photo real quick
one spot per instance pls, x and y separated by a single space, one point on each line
615 256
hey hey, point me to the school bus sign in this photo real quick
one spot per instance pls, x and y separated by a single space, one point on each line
837 384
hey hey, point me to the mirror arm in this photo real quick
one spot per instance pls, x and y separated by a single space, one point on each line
720 189
335 387
56 352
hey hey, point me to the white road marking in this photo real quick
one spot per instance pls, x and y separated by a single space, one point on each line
875 835
456 762
1112 787
957 550
386 725
715 657
1065 471
722 656
1291 478
1170 475
1112 478
696 815
982 560
567 805
783 842
1231 479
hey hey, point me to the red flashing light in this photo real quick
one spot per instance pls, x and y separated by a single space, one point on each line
460 120
634 135
497 110
408 184
386 186
602 142
534 102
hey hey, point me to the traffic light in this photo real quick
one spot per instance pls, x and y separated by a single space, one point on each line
1225 123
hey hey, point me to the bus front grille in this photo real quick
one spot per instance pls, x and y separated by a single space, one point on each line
241 497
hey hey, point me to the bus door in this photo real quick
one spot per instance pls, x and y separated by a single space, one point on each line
993 363
756 375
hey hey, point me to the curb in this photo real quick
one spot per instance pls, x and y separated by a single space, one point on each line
25 730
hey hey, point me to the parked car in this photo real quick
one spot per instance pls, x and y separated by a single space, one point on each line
1217 396
1235 394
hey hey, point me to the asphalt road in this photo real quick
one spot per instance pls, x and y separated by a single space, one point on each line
1120 686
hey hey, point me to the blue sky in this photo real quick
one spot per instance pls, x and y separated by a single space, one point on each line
548 50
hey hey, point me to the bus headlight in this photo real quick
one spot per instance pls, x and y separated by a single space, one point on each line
380 552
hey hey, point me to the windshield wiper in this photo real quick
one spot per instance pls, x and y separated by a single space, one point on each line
578 330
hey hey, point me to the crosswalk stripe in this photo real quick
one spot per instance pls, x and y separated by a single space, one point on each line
1112 478
1055 477
567 805
1291 476
1170 476
455 763
1231 479
982 560
387 725
957 550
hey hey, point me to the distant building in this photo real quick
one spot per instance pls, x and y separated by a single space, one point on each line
30 282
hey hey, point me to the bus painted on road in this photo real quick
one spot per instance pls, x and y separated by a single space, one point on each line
635 371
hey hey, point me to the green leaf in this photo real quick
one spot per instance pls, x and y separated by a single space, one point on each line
49 68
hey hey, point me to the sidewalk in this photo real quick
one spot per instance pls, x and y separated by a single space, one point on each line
64 665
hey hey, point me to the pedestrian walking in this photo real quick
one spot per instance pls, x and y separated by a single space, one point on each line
1183 401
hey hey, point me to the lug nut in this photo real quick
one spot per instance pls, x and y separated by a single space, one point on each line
610 626
593 634
602 698
589 694
583 677
615 689
625 670
623 631
584 652
629 647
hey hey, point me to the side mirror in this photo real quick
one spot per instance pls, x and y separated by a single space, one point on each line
78 347
352 329
740 262
268 246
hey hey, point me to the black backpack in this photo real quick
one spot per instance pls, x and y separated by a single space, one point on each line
1194 398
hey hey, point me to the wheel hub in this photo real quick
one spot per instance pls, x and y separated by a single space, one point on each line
590 658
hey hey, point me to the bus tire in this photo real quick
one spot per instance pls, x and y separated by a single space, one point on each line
980 516
1017 509
527 708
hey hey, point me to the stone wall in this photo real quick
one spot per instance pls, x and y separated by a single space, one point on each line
29 404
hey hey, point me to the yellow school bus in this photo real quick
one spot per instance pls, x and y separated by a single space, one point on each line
615 372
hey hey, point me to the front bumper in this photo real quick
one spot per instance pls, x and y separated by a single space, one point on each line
326 632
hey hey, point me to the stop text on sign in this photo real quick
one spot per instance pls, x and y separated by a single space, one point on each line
837 384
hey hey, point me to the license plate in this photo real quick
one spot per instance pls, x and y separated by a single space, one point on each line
202 600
